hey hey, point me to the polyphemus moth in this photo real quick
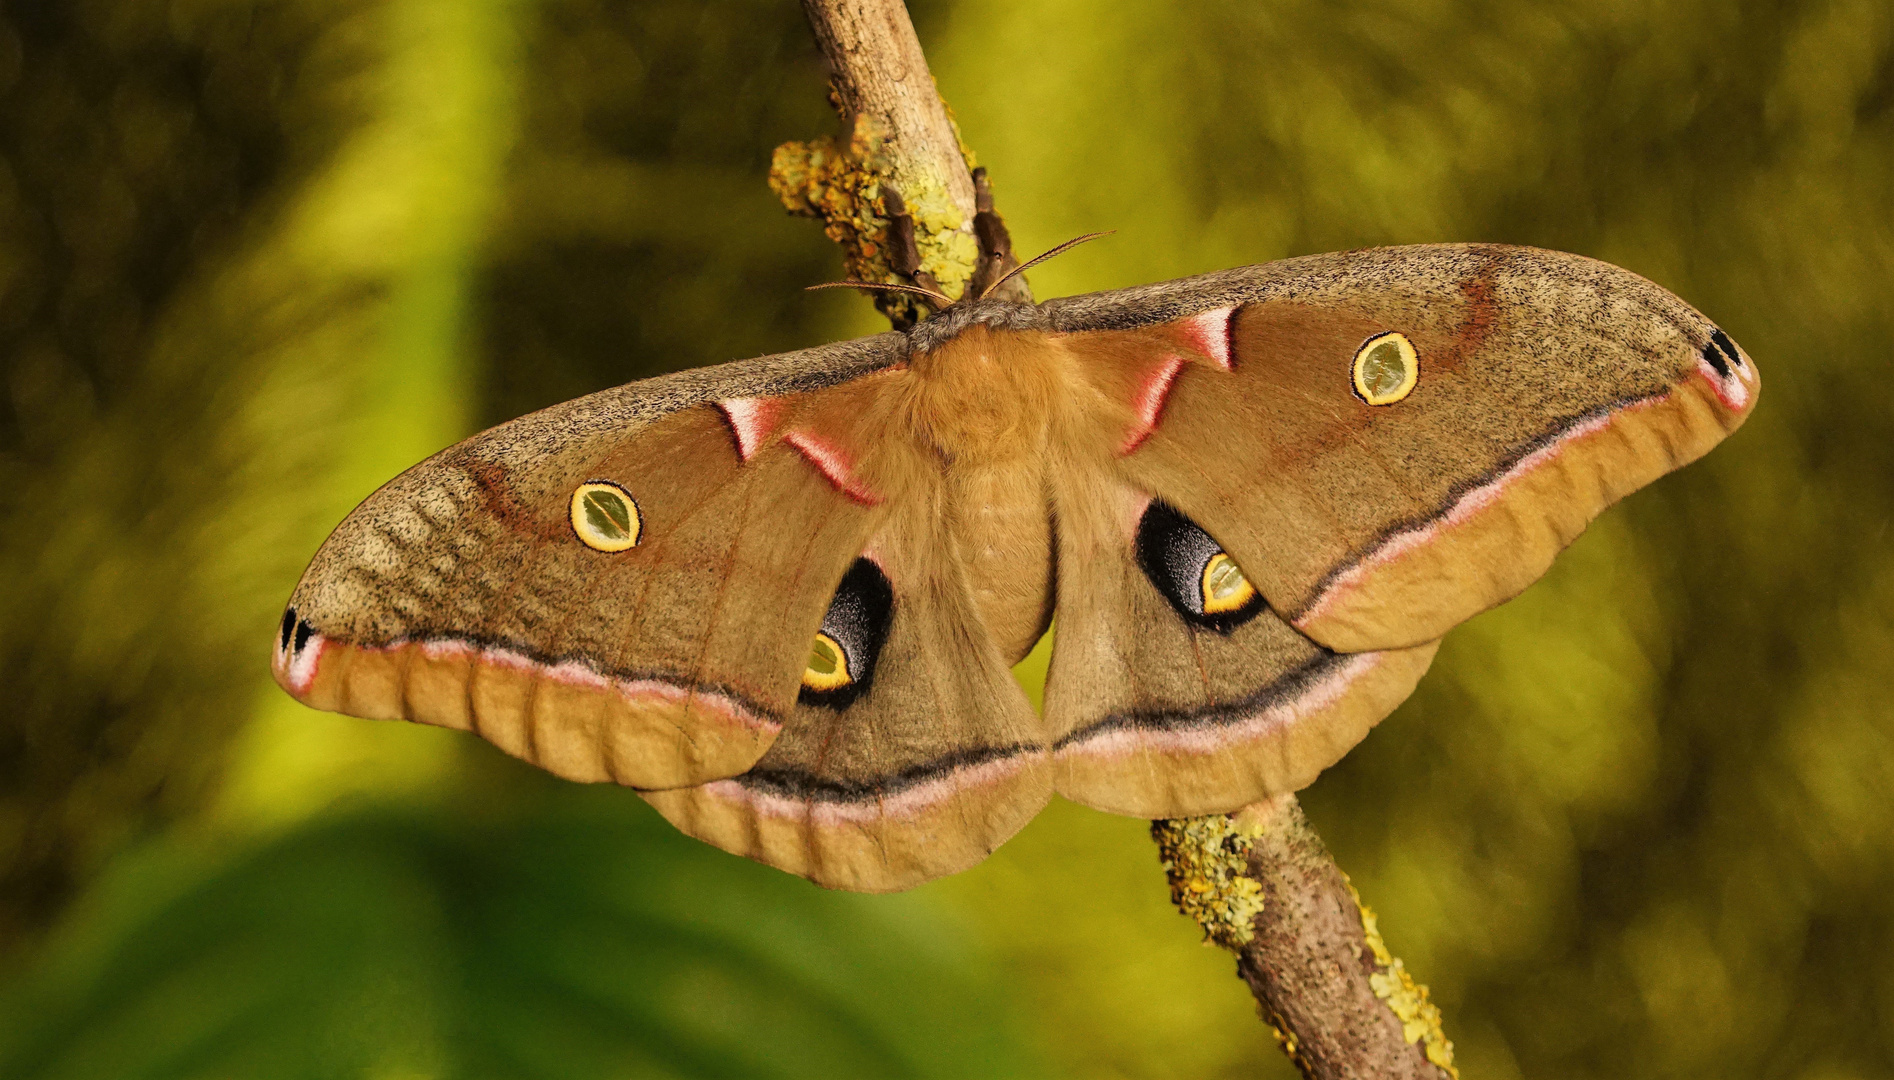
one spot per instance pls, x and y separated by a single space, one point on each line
780 597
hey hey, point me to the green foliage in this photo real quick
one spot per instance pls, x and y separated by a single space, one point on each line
639 234
142 430
576 940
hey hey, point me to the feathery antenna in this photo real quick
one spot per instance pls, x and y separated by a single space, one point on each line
940 299
1037 259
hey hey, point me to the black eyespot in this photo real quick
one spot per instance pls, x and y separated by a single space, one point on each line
842 658
303 633
289 627
1200 579
1722 341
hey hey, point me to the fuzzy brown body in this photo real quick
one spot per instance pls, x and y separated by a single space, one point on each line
987 404
926 502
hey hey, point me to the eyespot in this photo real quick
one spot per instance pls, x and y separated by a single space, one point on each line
605 516
1225 589
842 657
1386 369
828 666
1202 582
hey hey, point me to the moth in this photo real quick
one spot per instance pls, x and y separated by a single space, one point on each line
780 597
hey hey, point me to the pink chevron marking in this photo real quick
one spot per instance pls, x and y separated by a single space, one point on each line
834 465
751 421
1148 402
1208 332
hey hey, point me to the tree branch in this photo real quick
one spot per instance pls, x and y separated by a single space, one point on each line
1262 885
899 199
877 70
898 195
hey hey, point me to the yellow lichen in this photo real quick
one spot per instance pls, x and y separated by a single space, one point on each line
1420 1018
1284 1037
842 186
1206 860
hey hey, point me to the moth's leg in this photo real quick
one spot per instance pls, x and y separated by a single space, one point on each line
905 256
996 244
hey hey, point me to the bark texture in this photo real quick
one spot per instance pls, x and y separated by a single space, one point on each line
1262 885
898 193
877 70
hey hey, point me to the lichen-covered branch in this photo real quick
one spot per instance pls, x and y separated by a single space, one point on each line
901 139
1262 885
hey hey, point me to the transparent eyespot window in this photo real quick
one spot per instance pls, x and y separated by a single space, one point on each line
1386 369
1225 589
828 665
605 516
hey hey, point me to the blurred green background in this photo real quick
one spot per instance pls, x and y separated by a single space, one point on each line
256 256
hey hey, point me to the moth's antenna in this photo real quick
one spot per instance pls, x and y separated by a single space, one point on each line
1037 259
942 299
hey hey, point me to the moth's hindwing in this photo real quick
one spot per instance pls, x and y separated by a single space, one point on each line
911 752
922 773
1173 693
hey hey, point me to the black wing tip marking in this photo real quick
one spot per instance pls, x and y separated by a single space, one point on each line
1720 353
293 635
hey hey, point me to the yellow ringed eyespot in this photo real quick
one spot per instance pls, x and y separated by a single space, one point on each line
828 665
1225 588
1200 580
605 516
1386 368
